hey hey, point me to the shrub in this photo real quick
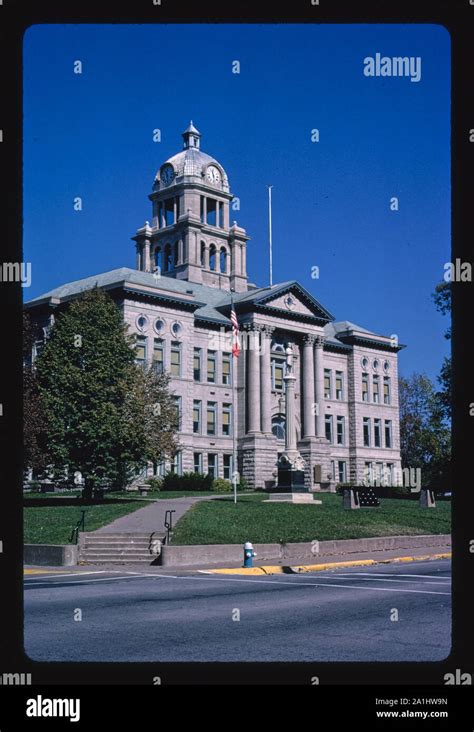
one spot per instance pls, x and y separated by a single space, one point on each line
220 485
187 482
156 484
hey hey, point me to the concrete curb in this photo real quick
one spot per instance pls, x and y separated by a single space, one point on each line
51 555
277 569
200 555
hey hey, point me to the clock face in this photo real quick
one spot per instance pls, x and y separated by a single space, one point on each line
167 175
213 174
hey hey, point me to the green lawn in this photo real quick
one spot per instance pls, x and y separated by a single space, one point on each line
222 522
53 524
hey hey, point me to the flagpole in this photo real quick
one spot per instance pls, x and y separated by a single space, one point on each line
234 379
270 232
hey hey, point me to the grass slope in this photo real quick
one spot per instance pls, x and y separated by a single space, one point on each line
222 522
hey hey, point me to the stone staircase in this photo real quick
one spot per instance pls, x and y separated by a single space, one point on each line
133 548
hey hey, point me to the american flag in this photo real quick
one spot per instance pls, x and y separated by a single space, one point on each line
235 333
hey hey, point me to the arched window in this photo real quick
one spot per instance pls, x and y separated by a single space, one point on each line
278 345
158 258
212 257
223 260
203 253
168 263
279 426
175 254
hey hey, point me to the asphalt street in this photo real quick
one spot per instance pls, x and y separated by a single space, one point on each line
390 612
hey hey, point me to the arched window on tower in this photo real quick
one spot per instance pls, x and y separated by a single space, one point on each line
212 257
279 426
203 253
168 263
223 260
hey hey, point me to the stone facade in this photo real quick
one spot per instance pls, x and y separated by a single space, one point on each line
191 264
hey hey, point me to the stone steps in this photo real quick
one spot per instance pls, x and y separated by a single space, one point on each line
114 548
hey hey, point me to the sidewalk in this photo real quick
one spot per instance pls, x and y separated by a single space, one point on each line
150 519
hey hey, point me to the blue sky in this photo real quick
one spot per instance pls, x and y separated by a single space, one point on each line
91 135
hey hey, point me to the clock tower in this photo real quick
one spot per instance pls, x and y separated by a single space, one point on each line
190 237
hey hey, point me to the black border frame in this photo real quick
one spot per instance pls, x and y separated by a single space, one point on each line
15 16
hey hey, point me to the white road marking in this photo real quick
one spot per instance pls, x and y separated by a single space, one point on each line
384 579
222 578
396 574
29 577
79 582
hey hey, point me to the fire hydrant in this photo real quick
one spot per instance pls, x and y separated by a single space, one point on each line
249 554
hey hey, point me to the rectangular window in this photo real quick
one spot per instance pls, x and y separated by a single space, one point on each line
368 475
340 430
211 367
227 420
365 387
175 358
140 350
221 215
339 387
379 472
159 355
376 390
198 462
390 473
197 355
197 407
212 212
177 464
366 424
227 467
328 426
177 410
212 468
226 369
388 433
386 390
377 432
277 374
327 384
211 418
341 470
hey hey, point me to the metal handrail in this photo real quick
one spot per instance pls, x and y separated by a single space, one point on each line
80 524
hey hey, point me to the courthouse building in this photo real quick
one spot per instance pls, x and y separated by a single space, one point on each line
190 260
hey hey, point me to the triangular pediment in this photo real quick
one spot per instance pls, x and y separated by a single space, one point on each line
292 299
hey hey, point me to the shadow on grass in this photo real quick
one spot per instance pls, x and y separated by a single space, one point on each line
44 502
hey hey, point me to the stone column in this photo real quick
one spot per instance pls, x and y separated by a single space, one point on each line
253 382
308 387
146 255
206 256
319 381
266 378
139 257
290 436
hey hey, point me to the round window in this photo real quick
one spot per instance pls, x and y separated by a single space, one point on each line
375 365
159 325
364 362
142 322
386 366
176 329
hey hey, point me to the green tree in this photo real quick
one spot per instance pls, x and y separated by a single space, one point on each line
35 453
442 299
106 415
425 440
